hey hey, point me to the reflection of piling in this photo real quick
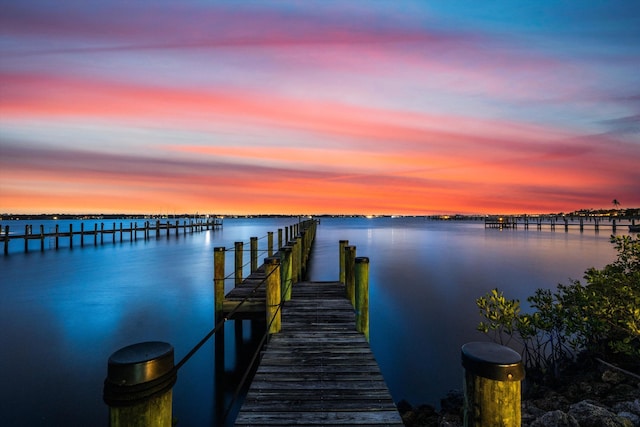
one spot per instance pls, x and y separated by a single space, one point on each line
492 390
139 383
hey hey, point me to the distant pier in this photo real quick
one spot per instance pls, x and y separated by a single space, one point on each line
558 222
121 232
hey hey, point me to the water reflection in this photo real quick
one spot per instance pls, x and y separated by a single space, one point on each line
62 313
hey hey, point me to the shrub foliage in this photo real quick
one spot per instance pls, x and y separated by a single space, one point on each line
600 317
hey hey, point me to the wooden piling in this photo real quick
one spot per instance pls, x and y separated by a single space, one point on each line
41 238
139 383
26 238
299 261
238 262
285 272
349 276
270 243
218 281
254 254
273 295
342 245
70 235
362 295
492 389
279 238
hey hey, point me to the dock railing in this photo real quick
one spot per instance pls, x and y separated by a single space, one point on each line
140 377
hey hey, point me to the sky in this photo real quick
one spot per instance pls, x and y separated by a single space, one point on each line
319 107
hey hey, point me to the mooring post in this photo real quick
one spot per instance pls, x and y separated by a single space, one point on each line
218 281
300 261
303 252
81 234
238 262
273 295
285 272
70 235
492 385
41 238
362 295
57 235
139 383
349 276
254 254
101 233
279 238
294 262
270 243
342 245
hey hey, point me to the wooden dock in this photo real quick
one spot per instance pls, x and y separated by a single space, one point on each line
147 229
318 370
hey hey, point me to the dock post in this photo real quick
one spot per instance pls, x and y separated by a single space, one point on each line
218 281
342 245
349 276
299 261
294 262
71 235
139 384
254 254
238 262
303 252
270 243
41 238
492 389
273 295
81 234
57 236
177 228
26 238
362 295
120 232
135 232
279 238
285 272
286 235
101 233
581 224
614 226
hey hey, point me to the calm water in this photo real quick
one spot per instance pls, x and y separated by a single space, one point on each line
62 313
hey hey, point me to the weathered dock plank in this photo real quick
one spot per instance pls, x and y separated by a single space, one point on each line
318 370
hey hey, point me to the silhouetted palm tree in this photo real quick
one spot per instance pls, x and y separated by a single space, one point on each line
616 203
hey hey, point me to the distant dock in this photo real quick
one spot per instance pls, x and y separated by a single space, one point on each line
558 222
121 232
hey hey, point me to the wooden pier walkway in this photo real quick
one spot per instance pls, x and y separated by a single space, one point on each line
318 370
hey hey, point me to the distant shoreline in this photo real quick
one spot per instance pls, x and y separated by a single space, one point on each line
630 213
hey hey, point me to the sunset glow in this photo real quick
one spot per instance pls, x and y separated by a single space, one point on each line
336 107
